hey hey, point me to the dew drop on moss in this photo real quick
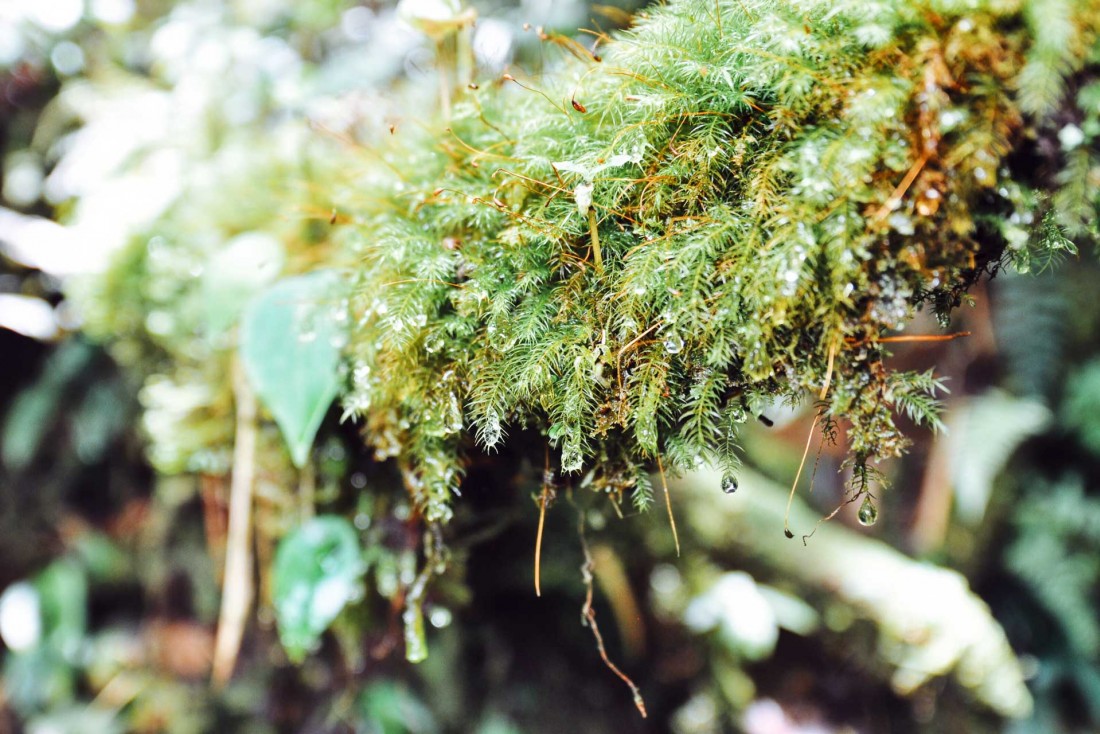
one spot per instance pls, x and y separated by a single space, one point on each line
433 344
674 343
729 483
868 512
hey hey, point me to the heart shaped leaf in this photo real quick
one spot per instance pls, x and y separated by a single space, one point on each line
291 337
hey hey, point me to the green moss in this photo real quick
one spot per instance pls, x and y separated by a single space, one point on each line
633 257
731 209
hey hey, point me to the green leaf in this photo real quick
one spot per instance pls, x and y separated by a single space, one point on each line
393 709
63 595
28 422
318 570
291 338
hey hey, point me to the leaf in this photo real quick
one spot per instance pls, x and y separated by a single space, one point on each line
318 570
291 339
32 414
63 598
988 430
393 709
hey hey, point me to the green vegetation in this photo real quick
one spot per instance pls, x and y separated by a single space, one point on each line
580 283
730 209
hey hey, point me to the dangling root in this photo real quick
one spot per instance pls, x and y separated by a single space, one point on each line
588 617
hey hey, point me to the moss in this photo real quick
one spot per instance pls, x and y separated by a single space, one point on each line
635 255
732 208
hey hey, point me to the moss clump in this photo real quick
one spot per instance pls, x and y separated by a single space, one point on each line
731 208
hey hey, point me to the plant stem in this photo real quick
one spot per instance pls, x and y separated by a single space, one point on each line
593 230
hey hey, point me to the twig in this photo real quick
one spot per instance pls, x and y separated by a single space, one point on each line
588 617
924 337
902 187
237 580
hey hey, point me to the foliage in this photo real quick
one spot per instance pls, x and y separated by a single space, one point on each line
727 210
317 572
615 268
290 346
740 201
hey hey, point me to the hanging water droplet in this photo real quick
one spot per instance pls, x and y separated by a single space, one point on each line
440 617
868 512
674 343
729 483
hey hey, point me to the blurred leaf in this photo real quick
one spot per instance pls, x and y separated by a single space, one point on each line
44 673
318 570
30 418
63 595
987 431
743 617
77 720
37 679
103 560
98 419
290 344
1081 407
393 709
496 723
1057 556
235 274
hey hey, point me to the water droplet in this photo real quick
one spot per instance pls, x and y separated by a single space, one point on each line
433 344
674 343
440 617
307 336
729 484
868 512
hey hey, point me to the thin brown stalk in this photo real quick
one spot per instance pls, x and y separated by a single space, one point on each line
668 505
237 583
